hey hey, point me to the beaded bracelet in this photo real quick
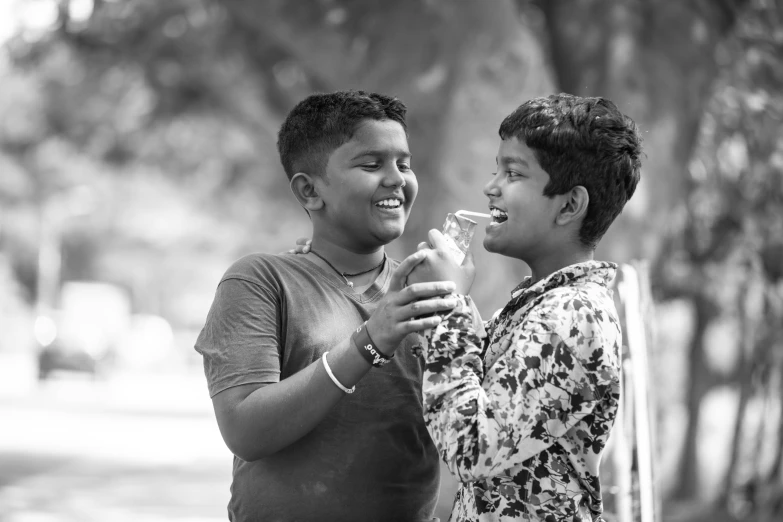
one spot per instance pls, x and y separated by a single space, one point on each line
334 379
361 338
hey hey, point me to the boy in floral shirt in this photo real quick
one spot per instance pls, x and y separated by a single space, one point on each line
522 411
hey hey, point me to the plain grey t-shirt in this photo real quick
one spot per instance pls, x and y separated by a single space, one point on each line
371 458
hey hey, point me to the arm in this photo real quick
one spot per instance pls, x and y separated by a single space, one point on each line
484 425
257 420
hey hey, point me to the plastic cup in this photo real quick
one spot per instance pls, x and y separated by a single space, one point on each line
458 231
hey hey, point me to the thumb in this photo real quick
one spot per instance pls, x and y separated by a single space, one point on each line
437 239
404 269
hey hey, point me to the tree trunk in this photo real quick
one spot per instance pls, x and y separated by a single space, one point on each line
745 392
698 385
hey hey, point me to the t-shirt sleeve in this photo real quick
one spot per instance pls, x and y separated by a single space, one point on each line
241 340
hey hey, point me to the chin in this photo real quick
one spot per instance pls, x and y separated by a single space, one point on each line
389 234
500 249
489 246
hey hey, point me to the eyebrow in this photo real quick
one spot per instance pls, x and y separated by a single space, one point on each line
403 153
513 159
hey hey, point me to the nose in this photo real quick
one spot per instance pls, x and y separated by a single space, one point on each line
491 189
393 177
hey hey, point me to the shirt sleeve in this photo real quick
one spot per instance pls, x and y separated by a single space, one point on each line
543 384
241 339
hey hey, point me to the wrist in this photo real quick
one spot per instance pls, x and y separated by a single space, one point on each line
368 349
382 343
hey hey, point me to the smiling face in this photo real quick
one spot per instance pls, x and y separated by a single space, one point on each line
523 219
369 188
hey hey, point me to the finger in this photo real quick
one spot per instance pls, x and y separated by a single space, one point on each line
306 248
423 246
400 275
428 306
419 291
303 241
418 325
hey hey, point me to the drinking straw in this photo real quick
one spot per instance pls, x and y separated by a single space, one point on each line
461 213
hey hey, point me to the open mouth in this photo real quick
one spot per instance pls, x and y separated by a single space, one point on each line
389 204
498 216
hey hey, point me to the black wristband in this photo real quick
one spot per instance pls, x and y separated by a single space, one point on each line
361 339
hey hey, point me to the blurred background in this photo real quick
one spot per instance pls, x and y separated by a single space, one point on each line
138 160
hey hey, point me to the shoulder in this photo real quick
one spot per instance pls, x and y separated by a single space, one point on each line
584 319
260 268
575 302
579 312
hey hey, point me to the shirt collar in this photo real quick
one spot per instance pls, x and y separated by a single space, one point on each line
600 272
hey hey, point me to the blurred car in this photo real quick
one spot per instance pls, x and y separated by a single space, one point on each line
82 335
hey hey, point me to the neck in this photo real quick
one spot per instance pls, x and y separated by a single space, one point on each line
547 265
345 259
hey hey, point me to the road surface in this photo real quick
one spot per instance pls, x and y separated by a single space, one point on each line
136 448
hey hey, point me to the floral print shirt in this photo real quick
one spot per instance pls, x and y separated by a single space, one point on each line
521 413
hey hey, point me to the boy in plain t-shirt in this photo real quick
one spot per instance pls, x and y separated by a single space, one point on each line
308 357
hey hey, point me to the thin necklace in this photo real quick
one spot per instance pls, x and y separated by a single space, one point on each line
346 275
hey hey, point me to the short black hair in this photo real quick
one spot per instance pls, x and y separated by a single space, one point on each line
323 122
582 141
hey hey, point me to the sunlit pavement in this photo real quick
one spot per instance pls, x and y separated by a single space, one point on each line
133 447
139 446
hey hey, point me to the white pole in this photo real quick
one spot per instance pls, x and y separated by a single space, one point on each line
637 345
622 452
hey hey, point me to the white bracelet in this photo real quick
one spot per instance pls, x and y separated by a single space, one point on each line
334 379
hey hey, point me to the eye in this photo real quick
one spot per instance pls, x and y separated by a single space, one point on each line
404 167
513 174
370 166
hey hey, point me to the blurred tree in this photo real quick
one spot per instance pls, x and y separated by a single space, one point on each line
725 253
144 104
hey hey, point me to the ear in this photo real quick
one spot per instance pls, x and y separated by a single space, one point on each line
574 207
303 187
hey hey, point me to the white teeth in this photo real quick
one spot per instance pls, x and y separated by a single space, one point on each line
389 203
498 214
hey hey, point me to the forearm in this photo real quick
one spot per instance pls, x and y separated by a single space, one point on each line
277 415
473 423
454 401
